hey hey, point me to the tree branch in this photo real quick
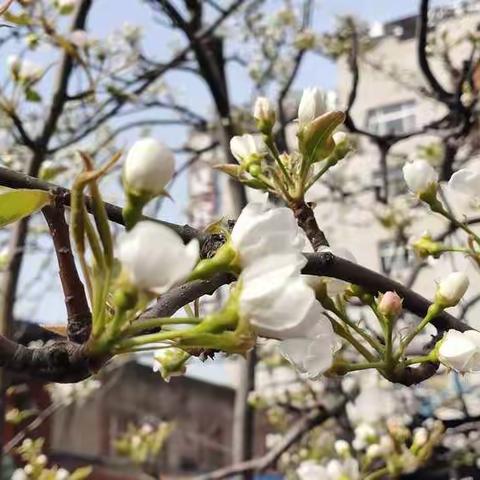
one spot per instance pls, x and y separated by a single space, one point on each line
329 265
312 419
12 179
79 317
422 32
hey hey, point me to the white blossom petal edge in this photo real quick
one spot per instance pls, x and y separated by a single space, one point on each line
155 256
461 350
262 230
466 181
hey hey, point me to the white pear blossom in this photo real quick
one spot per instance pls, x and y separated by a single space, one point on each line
310 346
148 168
155 257
247 146
419 176
311 106
466 181
310 470
261 230
452 288
274 297
460 350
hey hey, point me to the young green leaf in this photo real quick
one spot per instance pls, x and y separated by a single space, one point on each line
17 204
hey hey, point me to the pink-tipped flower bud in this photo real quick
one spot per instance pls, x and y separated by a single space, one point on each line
390 305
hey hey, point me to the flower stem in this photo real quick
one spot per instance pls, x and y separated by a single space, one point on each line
437 207
149 323
316 177
276 156
418 359
432 312
370 340
352 367
344 333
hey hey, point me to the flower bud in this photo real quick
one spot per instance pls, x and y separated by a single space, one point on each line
451 289
41 460
420 437
149 166
342 145
342 448
170 362
28 469
29 72
420 176
426 246
311 106
316 140
264 114
14 63
232 170
374 450
460 350
62 474
390 305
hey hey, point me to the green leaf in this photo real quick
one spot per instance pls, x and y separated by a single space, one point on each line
81 473
32 95
17 204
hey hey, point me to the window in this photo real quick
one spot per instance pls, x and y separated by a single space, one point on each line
396 182
394 119
394 256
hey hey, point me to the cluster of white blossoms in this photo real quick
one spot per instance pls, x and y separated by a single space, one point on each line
457 350
275 297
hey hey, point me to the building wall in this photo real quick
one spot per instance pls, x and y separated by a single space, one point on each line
202 414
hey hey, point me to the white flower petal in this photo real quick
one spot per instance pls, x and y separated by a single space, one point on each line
149 166
419 175
155 256
466 181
